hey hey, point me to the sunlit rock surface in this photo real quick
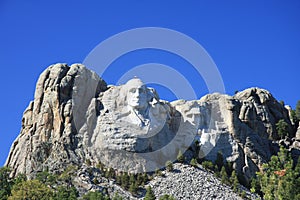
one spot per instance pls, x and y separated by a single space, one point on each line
76 117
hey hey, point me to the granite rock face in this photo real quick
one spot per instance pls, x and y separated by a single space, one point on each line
48 138
244 132
298 133
76 117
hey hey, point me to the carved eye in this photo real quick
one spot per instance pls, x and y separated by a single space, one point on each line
142 90
132 90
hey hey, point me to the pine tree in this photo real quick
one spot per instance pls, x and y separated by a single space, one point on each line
294 118
298 110
158 172
65 193
169 166
234 181
100 166
140 179
208 165
224 176
255 186
125 181
149 194
197 150
5 182
119 178
219 161
133 188
31 189
279 180
180 157
132 179
46 177
229 167
20 178
145 177
194 162
111 173
282 128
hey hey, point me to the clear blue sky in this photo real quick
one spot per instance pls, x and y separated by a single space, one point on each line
253 43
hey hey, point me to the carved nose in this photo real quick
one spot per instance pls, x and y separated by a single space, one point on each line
136 93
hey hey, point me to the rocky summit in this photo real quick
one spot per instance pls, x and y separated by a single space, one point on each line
76 118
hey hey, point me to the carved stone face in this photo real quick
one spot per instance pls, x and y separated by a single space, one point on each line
193 116
137 96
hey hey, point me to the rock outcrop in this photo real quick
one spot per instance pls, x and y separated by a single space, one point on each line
49 139
246 129
76 117
298 133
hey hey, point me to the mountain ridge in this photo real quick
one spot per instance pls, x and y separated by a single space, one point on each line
61 127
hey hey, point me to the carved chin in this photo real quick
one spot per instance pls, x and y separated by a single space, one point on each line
137 104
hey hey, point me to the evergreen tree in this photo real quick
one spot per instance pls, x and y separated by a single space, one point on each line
194 162
133 188
158 172
234 181
132 179
224 176
95 196
229 167
140 179
46 177
149 194
298 110
125 181
110 173
219 161
180 157
197 150
282 128
5 183
66 176
169 166
216 171
65 193
145 177
107 173
44 186
19 178
31 189
279 180
294 118
88 162
208 165
133 184
100 166
119 178
242 194
255 186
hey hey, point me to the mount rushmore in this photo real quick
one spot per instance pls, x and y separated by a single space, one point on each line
75 116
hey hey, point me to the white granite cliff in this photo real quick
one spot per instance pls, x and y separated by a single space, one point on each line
75 116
